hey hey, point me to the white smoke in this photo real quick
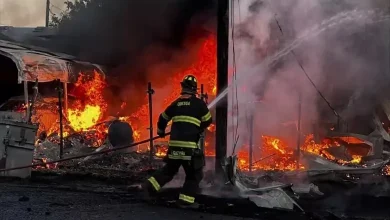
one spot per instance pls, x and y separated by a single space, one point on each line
330 58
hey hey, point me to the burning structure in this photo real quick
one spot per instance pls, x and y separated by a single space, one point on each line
285 100
26 72
87 108
277 120
87 112
284 86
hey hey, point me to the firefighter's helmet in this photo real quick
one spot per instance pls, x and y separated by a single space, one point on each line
189 84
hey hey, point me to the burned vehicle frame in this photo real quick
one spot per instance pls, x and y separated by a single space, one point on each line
25 70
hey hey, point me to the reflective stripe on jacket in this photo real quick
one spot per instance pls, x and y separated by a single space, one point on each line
190 116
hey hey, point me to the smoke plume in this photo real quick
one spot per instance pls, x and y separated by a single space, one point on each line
347 59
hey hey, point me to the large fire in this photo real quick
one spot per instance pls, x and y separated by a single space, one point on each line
275 154
83 114
87 112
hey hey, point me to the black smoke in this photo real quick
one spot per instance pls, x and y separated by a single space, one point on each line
111 33
130 37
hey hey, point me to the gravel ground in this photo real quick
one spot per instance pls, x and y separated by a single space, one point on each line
48 195
29 202
96 189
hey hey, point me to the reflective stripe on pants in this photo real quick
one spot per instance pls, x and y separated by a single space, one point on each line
185 198
154 183
179 157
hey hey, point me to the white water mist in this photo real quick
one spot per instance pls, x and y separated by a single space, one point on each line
270 93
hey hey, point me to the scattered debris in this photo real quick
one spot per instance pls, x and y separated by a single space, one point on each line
307 189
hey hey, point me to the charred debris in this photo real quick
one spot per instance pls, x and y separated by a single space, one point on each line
338 169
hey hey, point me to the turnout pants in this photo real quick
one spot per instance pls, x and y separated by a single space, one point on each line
194 174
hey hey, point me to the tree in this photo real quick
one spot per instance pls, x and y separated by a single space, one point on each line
79 6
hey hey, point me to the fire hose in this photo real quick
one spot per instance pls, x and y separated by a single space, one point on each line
84 155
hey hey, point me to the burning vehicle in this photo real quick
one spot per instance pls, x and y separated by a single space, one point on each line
84 107
43 78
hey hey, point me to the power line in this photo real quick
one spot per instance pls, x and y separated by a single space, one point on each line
53 6
50 9
58 8
235 90
51 12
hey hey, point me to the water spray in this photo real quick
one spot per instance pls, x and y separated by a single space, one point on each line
332 22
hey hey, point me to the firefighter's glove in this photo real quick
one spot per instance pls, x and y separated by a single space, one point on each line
161 133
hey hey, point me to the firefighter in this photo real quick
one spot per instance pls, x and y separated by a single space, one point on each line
190 117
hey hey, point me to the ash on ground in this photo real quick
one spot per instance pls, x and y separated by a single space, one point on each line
114 163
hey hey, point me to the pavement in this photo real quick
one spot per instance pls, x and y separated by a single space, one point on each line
27 202
65 196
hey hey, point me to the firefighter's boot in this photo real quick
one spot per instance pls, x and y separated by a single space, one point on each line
186 205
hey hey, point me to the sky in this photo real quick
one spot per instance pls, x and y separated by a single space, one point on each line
27 13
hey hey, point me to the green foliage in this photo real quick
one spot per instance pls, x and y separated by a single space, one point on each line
72 10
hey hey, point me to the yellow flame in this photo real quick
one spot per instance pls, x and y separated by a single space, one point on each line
81 120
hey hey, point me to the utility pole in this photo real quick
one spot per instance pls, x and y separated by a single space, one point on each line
47 12
202 138
299 128
387 35
251 119
150 98
222 83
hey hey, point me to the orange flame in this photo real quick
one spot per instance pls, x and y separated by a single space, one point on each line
85 118
82 116
386 170
204 68
273 153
